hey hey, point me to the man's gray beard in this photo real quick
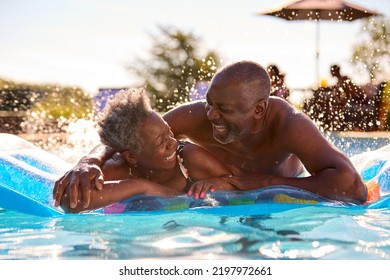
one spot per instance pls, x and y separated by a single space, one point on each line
231 137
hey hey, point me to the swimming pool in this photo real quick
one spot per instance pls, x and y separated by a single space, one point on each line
305 233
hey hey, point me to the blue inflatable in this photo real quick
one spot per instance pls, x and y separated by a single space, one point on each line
27 176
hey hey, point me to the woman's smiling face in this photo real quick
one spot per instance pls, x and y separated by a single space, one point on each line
159 149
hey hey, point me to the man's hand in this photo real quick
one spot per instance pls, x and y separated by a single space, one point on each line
78 180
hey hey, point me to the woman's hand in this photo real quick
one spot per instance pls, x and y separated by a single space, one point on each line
200 188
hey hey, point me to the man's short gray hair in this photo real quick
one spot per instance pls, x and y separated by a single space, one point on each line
252 76
119 123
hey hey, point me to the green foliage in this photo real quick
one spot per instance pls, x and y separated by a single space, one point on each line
17 97
57 108
174 67
63 103
385 107
373 50
47 107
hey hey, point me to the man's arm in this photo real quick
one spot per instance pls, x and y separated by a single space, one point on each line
86 175
332 173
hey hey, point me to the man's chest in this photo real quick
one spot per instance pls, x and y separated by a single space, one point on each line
241 161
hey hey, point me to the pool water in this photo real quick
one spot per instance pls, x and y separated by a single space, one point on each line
357 145
303 233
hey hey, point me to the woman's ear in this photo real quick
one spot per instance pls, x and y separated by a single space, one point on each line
260 108
129 157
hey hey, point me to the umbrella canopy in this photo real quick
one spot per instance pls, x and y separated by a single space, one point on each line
317 10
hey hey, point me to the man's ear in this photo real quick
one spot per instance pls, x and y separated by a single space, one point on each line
260 108
129 157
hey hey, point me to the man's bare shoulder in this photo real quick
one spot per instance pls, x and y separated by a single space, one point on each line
280 111
186 109
284 118
188 120
279 103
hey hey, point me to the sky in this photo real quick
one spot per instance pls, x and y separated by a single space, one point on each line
90 43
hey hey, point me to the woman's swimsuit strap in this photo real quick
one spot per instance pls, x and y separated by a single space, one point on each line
180 161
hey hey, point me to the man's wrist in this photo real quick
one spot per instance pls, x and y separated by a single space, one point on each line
90 161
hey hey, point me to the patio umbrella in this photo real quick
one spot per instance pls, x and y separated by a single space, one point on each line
318 10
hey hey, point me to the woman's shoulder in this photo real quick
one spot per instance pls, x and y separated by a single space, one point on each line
189 148
192 153
200 163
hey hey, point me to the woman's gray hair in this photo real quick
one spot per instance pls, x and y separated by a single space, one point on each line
118 126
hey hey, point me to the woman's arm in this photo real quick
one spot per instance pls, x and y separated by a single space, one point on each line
114 191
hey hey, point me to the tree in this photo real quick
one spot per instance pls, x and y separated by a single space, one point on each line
17 96
63 103
57 108
44 108
174 68
373 50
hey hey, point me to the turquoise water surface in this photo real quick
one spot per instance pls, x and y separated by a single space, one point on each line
303 233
